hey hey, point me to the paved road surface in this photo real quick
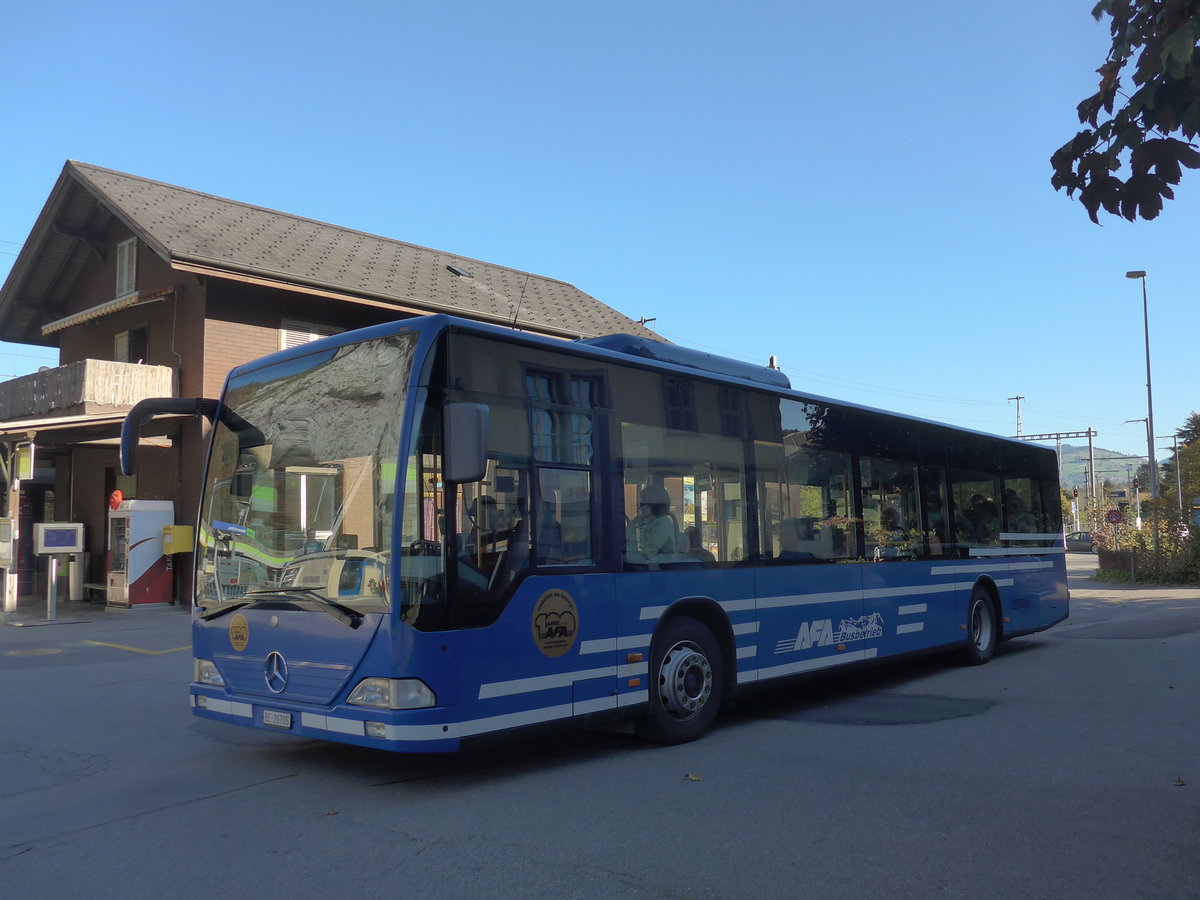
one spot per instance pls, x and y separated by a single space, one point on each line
1067 767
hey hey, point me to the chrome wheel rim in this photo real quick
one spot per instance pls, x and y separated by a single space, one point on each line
685 680
981 624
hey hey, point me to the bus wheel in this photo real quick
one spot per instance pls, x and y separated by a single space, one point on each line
686 683
982 628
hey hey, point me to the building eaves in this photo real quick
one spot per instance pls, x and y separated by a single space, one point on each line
189 227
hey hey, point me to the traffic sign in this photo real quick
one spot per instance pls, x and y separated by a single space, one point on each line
1114 517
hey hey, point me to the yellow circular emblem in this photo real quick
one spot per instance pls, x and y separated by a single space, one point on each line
555 622
239 632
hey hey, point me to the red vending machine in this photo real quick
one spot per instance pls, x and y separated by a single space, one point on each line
138 570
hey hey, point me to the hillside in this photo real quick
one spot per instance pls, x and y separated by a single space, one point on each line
1109 464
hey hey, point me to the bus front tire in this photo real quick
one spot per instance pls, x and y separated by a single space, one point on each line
686 683
983 631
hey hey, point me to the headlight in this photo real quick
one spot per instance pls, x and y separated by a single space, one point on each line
206 673
392 693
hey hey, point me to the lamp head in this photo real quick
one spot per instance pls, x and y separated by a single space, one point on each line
1138 273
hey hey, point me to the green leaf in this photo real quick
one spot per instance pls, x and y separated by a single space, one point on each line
1189 122
1108 189
1091 202
1144 196
1179 46
1089 109
1188 155
1082 143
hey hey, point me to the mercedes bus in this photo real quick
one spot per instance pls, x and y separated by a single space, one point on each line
434 529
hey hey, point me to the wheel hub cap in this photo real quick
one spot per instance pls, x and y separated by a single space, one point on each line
685 681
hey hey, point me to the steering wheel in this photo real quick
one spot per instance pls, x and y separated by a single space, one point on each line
425 548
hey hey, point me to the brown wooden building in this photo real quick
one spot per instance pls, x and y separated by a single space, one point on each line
151 290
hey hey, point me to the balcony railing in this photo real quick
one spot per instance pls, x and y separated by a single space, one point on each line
86 386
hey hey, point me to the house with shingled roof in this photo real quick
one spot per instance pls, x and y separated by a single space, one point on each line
153 290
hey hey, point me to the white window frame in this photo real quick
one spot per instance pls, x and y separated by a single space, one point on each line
126 268
294 332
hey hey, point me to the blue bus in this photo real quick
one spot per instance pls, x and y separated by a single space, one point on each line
426 531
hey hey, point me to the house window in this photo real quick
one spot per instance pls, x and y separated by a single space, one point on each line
294 332
131 346
126 267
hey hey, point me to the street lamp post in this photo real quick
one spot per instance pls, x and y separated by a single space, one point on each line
1149 465
1178 479
1139 273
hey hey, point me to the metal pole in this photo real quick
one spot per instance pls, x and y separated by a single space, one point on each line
1018 398
1149 391
52 588
1092 460
1178 477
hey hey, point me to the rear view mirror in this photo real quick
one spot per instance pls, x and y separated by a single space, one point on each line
466 429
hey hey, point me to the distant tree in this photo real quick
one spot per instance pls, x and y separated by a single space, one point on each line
1188 460
1189 475
1159 40
1142 476
1189 432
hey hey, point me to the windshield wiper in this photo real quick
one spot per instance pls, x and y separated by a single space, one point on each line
345 614
218 611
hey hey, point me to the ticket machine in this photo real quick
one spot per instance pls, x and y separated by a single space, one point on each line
139 572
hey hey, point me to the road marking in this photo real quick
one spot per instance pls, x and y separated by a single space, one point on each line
137 649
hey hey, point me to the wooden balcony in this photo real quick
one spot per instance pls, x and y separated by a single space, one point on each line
83 387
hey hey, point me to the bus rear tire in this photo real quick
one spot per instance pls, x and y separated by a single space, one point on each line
983 628
687 681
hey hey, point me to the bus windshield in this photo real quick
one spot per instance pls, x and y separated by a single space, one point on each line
301 482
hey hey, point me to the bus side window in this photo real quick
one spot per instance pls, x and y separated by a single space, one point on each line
1022 505
889 489
935 509
976 512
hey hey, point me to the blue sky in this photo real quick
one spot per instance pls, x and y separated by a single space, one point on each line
862 190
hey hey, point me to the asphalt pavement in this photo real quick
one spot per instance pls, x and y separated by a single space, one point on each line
1067 767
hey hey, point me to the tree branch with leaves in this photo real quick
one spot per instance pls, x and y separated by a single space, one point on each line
1157 41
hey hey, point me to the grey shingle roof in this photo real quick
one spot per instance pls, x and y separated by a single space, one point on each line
190 227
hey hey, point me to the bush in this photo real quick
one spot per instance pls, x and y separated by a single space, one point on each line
1131 554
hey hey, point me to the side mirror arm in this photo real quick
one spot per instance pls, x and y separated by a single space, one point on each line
145 410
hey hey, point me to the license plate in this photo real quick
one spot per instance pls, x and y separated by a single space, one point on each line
276 719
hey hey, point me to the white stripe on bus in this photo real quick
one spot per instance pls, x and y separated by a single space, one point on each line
557 680
608 645
807 665
793 600
914 590
983 552
983 569
808 599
